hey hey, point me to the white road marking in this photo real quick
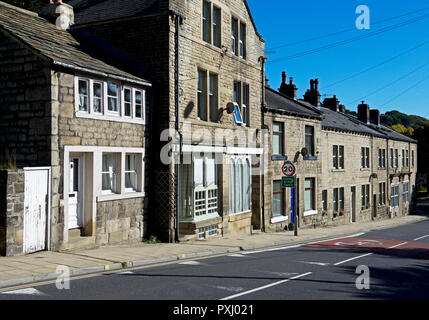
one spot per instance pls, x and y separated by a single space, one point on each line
315 263
282 274
125 272
192 263
351 259
237 255
231 289
421 237
303 244
398 245
26 291
266 286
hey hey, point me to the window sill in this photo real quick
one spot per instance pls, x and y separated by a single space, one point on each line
239 213
278 219
338 170
112 197
108 117
310 213
365 169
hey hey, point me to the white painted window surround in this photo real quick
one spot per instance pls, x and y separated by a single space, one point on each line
279 219
137 104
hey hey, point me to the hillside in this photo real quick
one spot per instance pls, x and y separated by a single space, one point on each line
394 117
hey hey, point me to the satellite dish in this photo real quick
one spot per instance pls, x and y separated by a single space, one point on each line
230 107
304 152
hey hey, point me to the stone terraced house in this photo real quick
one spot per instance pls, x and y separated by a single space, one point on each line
126 119
356 169
74 126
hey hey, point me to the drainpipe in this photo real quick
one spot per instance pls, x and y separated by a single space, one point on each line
178 21
263 59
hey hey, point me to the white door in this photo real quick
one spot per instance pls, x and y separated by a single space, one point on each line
35 210
76 193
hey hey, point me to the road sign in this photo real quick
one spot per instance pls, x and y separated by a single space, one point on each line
288 182
288 169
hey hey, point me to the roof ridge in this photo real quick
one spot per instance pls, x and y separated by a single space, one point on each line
11 6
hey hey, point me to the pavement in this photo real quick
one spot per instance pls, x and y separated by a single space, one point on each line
42 266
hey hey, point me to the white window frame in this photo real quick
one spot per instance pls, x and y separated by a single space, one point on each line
234 160
394 202
105 114
136 170
88 95
405 191
116 174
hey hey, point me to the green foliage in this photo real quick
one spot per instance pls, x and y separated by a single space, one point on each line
408 121
422 136
27 4
403 130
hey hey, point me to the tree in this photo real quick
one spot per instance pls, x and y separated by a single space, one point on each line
403 130
27 4
422 136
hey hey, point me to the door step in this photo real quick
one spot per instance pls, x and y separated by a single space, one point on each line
78 242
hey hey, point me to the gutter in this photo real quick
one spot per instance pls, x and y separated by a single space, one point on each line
103 74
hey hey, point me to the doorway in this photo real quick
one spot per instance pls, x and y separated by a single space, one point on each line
353 204
76 194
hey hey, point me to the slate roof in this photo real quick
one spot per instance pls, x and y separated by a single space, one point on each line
346 122
88 11
103 10
278 101
58 46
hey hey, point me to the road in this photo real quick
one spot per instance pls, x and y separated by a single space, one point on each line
397 260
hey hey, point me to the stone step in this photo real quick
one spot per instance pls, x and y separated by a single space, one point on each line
79 243
74 233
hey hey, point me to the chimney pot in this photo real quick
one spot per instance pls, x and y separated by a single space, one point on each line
284 77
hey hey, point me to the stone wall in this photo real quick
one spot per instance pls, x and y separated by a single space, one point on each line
11 211
24 105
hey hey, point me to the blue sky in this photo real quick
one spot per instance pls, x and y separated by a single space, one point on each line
283 21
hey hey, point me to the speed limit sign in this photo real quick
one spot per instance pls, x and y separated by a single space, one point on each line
288 169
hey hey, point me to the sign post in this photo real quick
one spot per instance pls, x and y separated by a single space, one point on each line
290 181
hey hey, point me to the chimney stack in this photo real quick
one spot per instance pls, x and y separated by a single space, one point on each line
288 89
342 108
375 117
363 112
58 13
313 96
332 103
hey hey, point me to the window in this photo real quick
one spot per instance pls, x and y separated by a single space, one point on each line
403 158
381 158
338 199
207 96
391 158
309 194
278 135
238 38
138 100
395 196
365 197
243 40
124 104
127 102
325 200
207 21
241 97
278 199
405 191
205 187
396 158
338 157
364 157
83 95
211 24
239 185
412 158
110 173
407 158
382 193
112 97
234 36
309 140
131 172
97 89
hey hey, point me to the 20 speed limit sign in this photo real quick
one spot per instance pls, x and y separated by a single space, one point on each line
288 169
